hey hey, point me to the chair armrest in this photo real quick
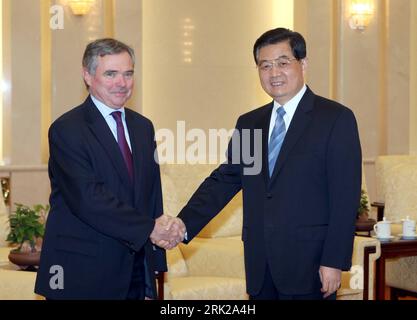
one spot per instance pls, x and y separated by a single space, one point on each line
365 251
359 245
380 209
17 285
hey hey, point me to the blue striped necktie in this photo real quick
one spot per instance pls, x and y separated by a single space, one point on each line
277 137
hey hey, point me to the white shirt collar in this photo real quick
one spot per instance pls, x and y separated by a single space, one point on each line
291 105
289 108
104 109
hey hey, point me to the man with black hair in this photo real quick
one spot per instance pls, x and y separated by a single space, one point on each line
299 211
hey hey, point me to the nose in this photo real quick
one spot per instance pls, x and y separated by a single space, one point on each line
120 81
276 70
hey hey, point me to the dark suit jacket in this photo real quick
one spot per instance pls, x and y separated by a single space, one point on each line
98 218
304 215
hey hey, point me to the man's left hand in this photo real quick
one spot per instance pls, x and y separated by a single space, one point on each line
330 280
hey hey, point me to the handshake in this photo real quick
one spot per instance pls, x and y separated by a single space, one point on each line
168 232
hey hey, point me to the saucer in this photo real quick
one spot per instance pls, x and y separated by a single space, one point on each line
408 237
384 239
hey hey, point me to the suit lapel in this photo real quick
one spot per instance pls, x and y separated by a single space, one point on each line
298 124
103 134
263 124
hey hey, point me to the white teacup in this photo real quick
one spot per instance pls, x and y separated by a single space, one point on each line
409 227
383 229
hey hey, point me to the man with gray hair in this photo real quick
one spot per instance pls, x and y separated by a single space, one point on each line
106 199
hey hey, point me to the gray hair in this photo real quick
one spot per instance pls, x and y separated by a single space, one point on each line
101 48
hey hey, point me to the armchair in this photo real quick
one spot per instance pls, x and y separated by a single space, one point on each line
211 266
383 165
358 284
401 201
15 284
206 269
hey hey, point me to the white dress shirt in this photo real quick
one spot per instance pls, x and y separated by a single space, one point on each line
289 108
106 113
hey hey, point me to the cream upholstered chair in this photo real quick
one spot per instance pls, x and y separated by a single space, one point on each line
211 266
383 165
400 185
14 284
358 283
206 269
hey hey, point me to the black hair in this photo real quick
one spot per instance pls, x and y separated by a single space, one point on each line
274 36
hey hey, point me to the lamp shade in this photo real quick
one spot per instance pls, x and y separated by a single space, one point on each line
80 7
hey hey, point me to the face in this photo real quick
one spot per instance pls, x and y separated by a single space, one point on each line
113 81
283 81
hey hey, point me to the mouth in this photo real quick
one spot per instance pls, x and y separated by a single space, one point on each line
120 93
277 83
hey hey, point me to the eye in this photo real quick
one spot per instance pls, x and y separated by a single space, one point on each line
283 64
110 74
265 66
128 74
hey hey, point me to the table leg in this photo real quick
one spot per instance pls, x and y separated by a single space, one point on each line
380 278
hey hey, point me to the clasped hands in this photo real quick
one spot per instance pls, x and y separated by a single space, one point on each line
168 232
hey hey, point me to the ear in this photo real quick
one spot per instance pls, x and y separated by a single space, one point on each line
87 77
304 64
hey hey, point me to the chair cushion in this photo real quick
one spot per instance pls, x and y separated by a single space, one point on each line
176 264
17 285
401 273
207 288
218 257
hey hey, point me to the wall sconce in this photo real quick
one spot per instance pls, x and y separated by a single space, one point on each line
361 12
5 189
80 7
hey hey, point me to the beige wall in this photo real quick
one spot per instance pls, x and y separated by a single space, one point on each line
28 185
373 72
413 79
106 18
221 82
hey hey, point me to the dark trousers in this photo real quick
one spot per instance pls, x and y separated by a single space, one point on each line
137 282
270 292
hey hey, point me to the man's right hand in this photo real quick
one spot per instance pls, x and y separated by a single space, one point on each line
168 232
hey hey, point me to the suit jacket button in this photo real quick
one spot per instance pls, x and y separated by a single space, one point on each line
269 195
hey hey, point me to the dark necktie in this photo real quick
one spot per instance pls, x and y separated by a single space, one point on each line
121 140
277 137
